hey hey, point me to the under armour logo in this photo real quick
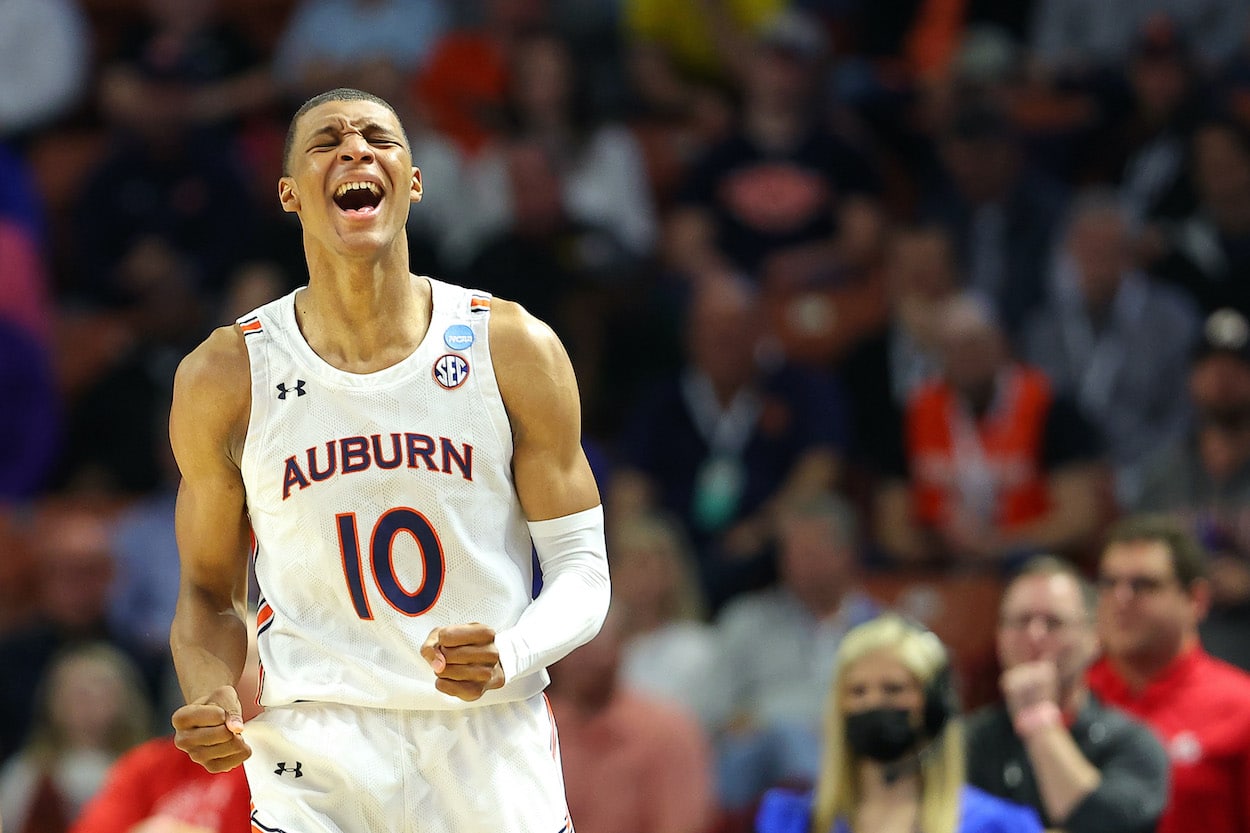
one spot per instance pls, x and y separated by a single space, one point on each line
283 390
282 769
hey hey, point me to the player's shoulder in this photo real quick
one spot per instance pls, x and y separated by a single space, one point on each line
213 384
218 366
519 338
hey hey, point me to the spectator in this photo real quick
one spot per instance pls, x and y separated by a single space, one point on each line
45 52
771 730
1142 145
163 183
1076 40
156 788
669 651
1152 595
328 43
116 432
893 755
71 546
1098 340
1051 745
91 708
630 762
701 42
993 465
1002 213
603 181
881 374
727 441
1207 252
781 201
465 81
181 61
1203 478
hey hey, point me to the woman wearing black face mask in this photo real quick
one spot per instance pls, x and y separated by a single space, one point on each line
893 757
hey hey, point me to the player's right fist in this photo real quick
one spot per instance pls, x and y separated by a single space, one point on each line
210 730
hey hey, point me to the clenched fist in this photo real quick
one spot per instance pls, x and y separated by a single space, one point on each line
464 659
210 730
1030 683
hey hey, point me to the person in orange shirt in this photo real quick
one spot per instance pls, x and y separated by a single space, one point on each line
463 84
992 464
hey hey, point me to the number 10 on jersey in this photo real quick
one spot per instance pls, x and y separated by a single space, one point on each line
382 561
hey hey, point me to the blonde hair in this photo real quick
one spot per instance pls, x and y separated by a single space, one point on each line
663 537
941 768
133 723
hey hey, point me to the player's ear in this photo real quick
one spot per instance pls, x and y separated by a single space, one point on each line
417 189
287 195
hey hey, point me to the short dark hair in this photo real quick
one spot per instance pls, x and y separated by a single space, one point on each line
1189 558
1053 565
338 94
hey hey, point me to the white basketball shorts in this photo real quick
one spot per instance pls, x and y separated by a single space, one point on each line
330 768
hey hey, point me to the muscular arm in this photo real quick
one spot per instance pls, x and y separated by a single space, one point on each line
209 638
553 481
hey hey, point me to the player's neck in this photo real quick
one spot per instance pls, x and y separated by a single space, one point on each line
363 320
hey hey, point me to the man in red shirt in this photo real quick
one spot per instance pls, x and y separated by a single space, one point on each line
1152 595
157 788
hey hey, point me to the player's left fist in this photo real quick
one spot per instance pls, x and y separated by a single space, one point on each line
465 660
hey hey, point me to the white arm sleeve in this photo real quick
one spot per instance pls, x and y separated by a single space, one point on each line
573 602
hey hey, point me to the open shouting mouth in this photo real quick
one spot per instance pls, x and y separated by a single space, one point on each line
359 198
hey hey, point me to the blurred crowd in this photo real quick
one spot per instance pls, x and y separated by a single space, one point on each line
870 302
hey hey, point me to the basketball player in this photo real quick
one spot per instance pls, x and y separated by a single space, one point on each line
394 444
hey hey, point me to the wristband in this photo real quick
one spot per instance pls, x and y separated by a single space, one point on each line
1031 719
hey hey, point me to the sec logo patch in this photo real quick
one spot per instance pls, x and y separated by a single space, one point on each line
451 370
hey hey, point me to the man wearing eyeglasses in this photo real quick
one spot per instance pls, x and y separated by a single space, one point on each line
1050 745
1152 593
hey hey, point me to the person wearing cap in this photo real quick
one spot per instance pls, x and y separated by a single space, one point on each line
1204 477
1152 593
1051 745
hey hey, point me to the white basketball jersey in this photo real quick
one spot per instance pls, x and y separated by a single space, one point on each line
383 506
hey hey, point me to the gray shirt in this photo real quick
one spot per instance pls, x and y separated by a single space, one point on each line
1132 762
1125 378
783 681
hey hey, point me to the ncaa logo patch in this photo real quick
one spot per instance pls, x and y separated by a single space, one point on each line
450 371
458 337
